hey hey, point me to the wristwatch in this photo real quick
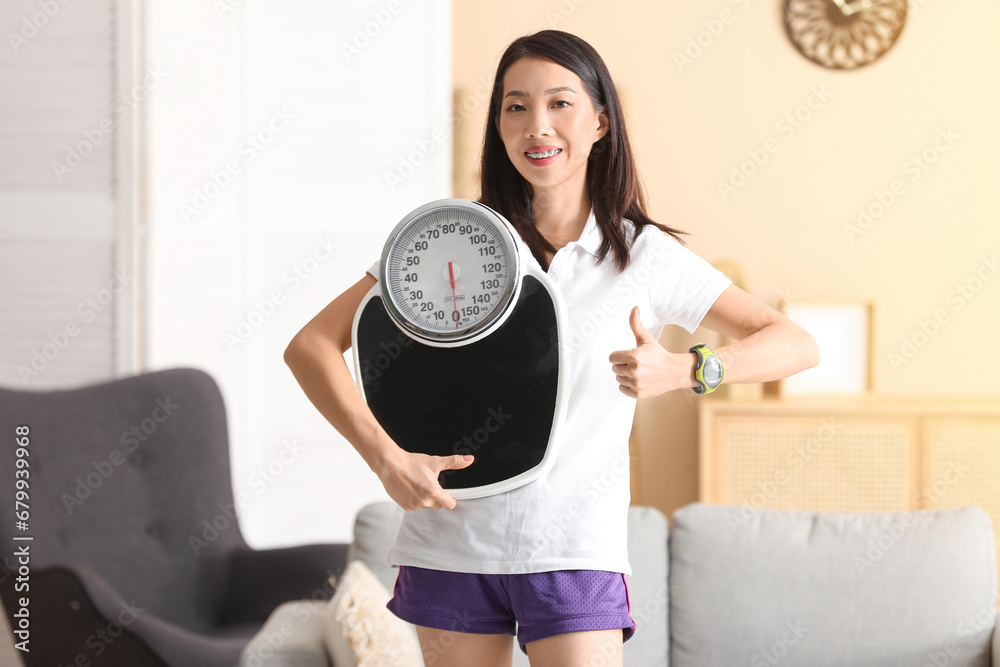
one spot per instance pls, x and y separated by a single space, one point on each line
709 371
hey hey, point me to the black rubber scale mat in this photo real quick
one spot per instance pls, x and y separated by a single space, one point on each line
494 398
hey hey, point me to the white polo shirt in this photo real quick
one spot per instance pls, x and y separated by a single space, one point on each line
575 516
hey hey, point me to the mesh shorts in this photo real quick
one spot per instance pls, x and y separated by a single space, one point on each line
533 606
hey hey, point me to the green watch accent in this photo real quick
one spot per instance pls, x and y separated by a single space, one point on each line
709 371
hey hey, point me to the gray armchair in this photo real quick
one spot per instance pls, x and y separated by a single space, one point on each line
137 556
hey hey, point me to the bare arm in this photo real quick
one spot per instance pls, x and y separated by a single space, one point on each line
316 358
768 346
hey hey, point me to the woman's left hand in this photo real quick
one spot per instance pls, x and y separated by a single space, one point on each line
648 369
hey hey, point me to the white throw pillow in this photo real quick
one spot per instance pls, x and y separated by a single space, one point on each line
358 629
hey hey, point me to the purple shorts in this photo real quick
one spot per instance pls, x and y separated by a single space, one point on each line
532 606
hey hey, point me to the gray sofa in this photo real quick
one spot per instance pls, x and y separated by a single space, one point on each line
737 586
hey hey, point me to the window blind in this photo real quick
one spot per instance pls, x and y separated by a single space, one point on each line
59 127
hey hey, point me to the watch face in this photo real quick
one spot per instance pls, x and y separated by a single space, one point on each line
712 372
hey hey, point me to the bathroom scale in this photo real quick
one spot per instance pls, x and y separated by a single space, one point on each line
459 348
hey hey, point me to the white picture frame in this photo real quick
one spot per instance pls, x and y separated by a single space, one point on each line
843 331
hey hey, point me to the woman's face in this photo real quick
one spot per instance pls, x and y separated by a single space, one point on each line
548 123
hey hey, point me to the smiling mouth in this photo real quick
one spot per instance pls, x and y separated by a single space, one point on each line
544 154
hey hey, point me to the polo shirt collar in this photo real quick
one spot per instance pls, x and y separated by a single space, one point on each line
590 238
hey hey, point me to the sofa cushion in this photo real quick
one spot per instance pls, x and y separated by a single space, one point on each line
291 637
359 630
647 587
754 586
375 528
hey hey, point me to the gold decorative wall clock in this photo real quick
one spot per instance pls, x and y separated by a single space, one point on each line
842 34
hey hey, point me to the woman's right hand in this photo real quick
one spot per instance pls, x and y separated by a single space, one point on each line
411 479
316 357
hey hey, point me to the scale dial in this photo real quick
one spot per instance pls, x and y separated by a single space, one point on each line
450 271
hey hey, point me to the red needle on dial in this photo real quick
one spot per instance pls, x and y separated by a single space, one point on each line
454 302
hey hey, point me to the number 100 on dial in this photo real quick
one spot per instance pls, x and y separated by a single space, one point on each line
449 271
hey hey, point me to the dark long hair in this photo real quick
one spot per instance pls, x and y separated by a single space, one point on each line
613 181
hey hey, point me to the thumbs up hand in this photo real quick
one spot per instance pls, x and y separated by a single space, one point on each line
648 369
642 335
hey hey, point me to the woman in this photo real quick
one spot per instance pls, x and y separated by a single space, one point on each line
547 560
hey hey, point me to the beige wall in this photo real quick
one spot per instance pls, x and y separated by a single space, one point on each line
693 124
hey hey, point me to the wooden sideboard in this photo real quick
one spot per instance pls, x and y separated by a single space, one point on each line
852 454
